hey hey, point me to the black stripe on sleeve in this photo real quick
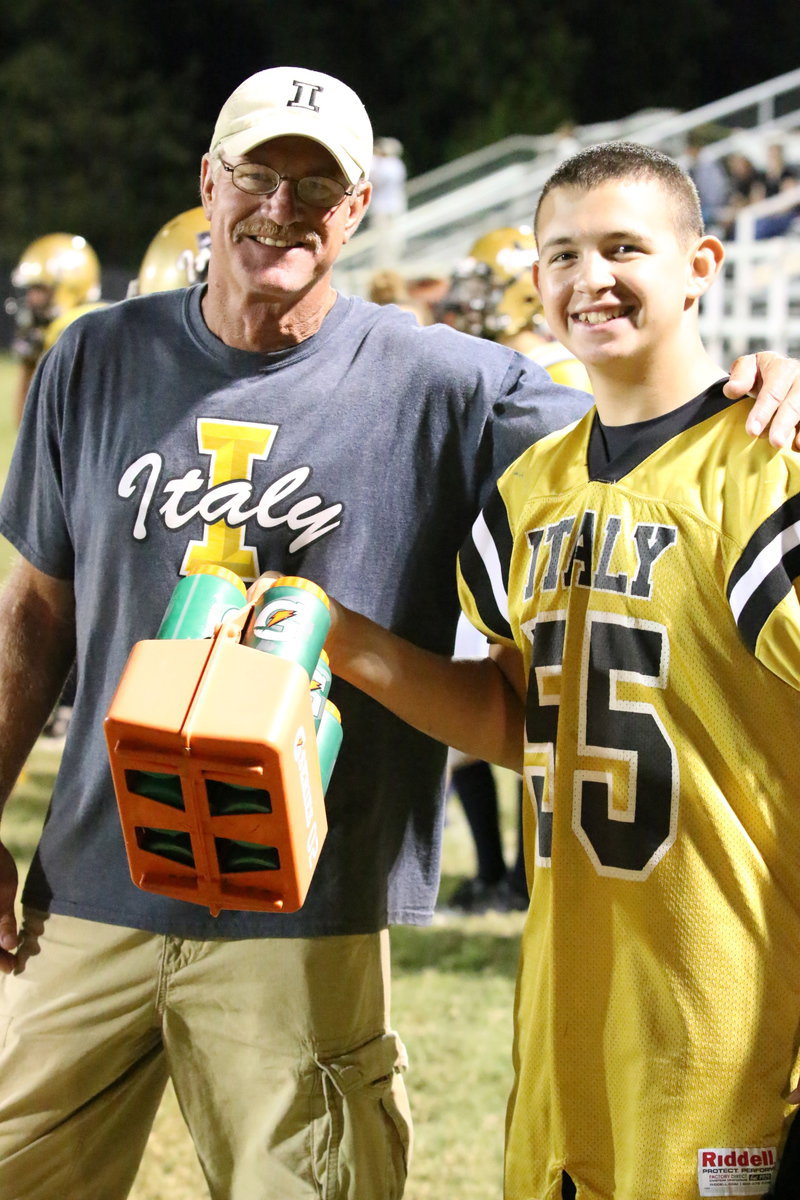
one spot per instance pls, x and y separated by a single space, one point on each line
768 585
476 565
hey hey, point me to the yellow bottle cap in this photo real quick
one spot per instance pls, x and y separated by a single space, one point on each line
220 573
305 584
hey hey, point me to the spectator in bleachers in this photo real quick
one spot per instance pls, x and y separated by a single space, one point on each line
778 177
746 186
388 179
711 180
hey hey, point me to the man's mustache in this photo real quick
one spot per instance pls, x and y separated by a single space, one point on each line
294 234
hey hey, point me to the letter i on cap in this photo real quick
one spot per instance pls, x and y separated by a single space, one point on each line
286 101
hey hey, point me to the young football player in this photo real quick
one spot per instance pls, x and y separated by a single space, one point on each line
637 574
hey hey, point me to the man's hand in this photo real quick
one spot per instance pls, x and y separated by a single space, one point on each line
37 646
9 939
775 383
260 585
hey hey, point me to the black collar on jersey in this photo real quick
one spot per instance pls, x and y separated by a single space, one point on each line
607 463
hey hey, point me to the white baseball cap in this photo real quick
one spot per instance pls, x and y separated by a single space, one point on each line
293 100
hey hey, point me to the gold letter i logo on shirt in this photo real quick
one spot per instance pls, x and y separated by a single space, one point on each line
232 447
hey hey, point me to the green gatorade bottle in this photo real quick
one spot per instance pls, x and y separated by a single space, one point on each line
200 601
329 739
320 686
292 620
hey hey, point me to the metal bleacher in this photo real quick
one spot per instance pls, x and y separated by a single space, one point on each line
757 301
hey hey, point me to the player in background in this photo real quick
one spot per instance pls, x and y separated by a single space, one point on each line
492 295
177 256
58 277
57 280
638 576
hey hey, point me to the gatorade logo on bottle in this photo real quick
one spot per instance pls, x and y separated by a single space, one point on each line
283 618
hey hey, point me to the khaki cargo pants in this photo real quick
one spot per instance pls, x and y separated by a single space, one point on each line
286 1071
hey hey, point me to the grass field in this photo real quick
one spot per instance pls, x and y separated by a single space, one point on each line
452 1001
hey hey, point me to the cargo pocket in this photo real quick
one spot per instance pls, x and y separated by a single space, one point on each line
362 1144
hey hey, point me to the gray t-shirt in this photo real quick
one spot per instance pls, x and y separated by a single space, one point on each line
358 458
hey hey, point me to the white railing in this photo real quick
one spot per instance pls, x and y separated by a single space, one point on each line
773 103
498 185
520 148
755 305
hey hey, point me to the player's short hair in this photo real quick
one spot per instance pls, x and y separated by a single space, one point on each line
609 161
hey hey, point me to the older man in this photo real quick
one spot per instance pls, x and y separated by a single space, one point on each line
261 421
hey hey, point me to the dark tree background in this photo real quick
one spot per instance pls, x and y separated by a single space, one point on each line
106 109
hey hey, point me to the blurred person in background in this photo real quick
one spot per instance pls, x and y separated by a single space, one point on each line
496 885
492 295
390 287
56 280
746 186
427 291
710 178
778 177
778 174
389 201
177 256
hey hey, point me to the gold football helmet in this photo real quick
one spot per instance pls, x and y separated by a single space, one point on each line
64 262
177 256
510 251
491 292
57 327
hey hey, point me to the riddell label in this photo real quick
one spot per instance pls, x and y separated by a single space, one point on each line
735 1171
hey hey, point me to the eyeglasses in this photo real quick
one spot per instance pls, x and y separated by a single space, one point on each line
315 190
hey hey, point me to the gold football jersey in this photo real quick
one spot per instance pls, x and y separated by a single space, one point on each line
657 1018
